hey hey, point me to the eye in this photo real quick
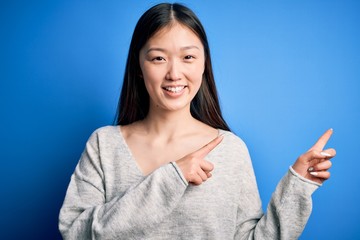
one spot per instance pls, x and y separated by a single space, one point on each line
158 59
189 57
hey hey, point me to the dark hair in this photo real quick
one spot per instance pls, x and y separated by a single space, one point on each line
134 99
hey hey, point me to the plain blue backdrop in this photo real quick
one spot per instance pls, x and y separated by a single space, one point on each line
286 71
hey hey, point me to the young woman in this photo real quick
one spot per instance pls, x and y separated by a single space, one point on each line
171 168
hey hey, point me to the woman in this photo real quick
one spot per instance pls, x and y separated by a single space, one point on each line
171 168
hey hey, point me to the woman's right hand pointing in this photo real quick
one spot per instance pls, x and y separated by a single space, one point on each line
194 167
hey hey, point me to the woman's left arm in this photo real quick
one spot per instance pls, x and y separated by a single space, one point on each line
291 204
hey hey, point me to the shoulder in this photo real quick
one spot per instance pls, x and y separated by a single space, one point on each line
233 147
232 140
234 154
106 143
105 134
106 131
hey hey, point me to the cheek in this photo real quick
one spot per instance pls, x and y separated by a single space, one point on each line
149 84
150 76
197 74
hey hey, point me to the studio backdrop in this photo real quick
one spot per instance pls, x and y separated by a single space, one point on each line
285 70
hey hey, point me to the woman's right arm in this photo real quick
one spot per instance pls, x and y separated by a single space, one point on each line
86 214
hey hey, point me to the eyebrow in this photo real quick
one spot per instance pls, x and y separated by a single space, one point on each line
190 47
164 50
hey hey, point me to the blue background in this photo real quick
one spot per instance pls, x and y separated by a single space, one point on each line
286 71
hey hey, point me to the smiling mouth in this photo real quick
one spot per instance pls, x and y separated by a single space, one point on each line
174 89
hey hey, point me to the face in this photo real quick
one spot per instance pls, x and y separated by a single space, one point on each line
172 64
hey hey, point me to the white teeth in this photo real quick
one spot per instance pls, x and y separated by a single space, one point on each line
175 89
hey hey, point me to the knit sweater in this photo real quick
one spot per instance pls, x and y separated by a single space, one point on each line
109 198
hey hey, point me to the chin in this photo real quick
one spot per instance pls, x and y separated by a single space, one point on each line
177 107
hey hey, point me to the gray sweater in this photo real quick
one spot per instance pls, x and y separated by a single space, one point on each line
109 198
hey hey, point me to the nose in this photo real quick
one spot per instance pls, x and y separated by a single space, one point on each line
174 71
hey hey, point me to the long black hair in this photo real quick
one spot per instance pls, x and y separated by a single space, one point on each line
134 99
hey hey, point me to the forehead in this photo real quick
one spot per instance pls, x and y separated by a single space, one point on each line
175 34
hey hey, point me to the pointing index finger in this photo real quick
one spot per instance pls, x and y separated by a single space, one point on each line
202 152
321 142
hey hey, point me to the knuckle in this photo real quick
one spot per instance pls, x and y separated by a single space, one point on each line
196 160
192 173
208 165
313 154
198 181
195 182
303 158
323 165
211 165
192 158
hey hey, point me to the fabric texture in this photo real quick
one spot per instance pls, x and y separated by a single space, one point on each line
109 198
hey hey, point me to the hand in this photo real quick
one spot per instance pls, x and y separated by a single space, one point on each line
194 167
315 163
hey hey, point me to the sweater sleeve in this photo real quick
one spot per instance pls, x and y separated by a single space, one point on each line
287 213
86 213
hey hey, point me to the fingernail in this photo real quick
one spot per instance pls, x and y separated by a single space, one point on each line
314 173
325 154
310 169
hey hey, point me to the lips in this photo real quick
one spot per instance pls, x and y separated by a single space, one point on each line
174 89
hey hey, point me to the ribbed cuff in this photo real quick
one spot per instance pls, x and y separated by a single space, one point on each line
302 178
179 172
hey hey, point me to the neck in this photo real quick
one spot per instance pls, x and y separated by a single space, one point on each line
170 124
